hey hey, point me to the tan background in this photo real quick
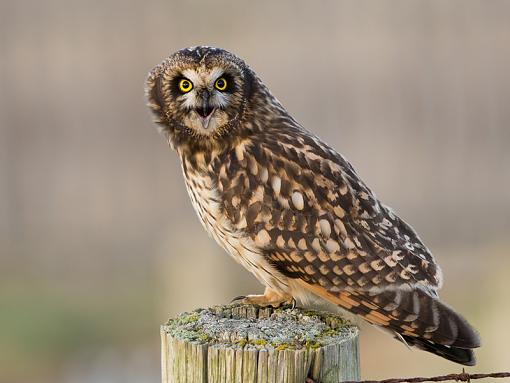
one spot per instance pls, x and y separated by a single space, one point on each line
98 241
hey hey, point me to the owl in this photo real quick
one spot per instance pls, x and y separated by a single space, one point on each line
292 210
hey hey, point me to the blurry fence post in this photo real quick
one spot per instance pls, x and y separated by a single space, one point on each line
242 343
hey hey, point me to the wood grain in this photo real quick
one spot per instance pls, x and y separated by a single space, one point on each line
247 344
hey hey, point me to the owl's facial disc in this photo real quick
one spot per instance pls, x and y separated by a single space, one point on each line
205 98
199 95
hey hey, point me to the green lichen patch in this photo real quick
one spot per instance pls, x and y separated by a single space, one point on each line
245 325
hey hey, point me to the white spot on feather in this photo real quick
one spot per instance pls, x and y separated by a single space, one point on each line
240 152
363 195
339 225
264 174
262 238
254 169
332 246
298 201
340 213
276 184
325 227
280 242
348 243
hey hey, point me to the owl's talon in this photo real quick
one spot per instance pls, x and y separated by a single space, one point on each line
291 303
269 298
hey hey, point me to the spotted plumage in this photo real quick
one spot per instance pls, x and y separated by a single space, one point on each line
291 209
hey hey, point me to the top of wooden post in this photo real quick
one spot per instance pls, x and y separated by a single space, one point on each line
244 343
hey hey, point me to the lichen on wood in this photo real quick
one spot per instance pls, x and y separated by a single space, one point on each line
243 343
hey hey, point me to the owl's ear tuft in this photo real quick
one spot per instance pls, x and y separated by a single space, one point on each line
154 92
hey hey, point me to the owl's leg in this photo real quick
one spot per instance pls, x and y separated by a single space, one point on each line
269 298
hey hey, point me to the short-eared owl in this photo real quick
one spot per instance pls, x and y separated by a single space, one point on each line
292 210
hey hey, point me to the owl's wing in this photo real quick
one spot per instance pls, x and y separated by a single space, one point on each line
310 201
318 223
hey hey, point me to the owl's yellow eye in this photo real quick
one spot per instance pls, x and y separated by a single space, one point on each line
221 84
185 85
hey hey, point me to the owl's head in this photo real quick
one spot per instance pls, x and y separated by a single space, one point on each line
199 94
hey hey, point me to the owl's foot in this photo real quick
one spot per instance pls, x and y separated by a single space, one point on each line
269 298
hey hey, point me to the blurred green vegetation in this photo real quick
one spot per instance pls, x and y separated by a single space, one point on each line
43 326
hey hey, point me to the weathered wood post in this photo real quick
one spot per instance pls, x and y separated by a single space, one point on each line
247 344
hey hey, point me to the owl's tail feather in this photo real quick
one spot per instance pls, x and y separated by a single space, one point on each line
432 325
463 356
414 313
421 320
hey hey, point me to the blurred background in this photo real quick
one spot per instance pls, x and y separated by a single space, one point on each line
99 244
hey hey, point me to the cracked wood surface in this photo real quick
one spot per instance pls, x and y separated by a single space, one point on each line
244 343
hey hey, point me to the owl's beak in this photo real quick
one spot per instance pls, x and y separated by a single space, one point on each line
205 121
205 111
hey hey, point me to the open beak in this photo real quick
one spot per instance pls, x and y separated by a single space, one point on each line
205 111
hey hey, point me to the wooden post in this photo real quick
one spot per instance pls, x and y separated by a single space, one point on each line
247 344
